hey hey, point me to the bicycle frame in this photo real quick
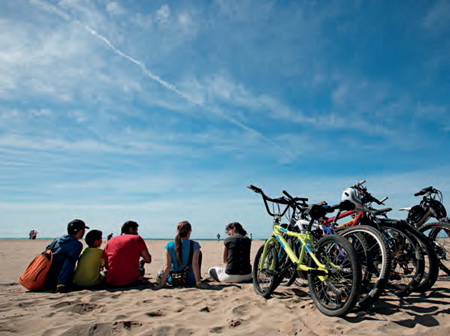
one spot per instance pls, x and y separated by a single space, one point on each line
332 222
304 238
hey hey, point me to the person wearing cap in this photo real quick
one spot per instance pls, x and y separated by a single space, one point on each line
65 255
122 256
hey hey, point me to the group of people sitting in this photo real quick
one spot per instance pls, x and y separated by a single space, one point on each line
121 262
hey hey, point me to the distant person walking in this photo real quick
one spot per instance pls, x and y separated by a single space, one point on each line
236 256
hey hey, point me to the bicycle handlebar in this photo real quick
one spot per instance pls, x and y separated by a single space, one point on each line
280 200
426 190
368 196
359 184
255 189
301 199
289 202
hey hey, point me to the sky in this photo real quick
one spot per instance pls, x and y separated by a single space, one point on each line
163 111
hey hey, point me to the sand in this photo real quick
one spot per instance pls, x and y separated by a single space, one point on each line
224 309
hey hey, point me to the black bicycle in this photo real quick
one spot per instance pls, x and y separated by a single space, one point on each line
438 232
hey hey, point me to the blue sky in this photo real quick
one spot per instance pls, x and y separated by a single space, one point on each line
161 111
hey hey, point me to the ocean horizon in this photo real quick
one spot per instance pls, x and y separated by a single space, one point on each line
154 239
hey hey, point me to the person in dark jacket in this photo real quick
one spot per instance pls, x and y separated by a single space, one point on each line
236 256
65 255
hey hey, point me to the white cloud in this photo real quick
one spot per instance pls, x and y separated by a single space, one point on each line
437 18
41 112
115 8
163 13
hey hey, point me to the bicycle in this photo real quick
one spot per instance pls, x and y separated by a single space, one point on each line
438 232
415 264
371 247
330 264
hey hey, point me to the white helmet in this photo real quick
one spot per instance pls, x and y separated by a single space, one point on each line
352 195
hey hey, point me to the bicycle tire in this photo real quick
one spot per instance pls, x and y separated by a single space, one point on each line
375 259
431 270
265 273
439 233
337 293
408 263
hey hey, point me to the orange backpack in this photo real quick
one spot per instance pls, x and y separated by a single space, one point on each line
33 278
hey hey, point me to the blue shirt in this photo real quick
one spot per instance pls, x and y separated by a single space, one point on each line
66 253
185 249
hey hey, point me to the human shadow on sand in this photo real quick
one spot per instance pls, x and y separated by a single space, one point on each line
210 286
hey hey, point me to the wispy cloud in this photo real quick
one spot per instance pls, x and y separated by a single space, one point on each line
163 12
157 106
436 19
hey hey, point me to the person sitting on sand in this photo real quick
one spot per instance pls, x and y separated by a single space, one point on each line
122 256
177 258
91 262
66 252
236 256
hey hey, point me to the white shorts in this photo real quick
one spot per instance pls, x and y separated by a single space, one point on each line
218 274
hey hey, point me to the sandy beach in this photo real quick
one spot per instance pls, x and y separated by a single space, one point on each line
227 309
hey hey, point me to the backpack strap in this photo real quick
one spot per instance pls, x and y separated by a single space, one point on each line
52 245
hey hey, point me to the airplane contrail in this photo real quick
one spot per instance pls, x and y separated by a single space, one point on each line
51 8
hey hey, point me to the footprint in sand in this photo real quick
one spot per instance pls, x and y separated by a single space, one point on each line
129 325
64 304
156 313
83 308
240 310
216 330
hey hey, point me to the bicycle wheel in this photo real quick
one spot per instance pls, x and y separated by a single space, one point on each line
375 260
431 261
265 271
407 260
336 293
439 233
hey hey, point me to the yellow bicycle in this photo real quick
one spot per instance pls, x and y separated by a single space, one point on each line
330 264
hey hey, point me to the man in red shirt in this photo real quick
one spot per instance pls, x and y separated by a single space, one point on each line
122 254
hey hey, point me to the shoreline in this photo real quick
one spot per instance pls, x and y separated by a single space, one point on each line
146 239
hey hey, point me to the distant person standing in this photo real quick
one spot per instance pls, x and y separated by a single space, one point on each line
66 253
122 254
236 256
33 234
218 236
